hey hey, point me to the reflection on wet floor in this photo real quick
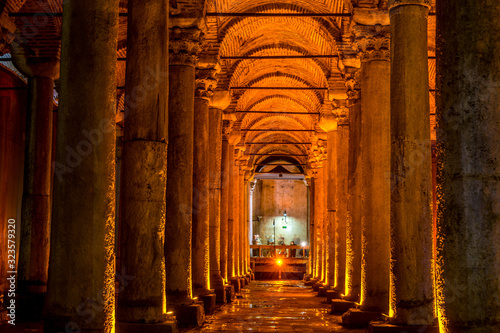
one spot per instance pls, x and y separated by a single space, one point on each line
275 306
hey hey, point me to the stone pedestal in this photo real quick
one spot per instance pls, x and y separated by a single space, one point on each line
341 306
412 301
192 314
235 283
468 141
144 173
229 292
331 295
184 48
382 327
355 318
208 303
82 253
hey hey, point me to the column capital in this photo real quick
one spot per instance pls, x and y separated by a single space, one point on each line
185 45
221 99
396 3
206 82
34 66
372 42
352 85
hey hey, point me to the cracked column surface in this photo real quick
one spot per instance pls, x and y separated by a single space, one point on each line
184 47
468 180
412 297
82 254
144 165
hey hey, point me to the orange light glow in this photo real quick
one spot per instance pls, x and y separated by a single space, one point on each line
279 262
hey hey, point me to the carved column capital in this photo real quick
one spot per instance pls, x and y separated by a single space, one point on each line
185 46
396 3
206 82
372 42
352 85
341 114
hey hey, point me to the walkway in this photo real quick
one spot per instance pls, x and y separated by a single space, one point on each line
275 306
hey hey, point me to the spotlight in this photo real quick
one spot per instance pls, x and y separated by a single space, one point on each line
303 244
279 262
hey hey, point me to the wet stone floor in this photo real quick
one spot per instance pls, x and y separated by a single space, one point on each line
274 306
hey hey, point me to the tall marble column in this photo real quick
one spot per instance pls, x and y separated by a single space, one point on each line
184 48
311 267
328 123
341 198
224 213
468 138
318 222
144 166
353 223
219 101
232 210
205 84
412 297
82 252
242 227
36 203
373 43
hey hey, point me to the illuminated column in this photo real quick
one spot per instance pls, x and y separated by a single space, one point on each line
318 221
144 168
233 174
341 198
184 47
224 213
468 138
412 297
310 267
375 157
36 203
82 253
328 123
219 101
205 83
328 234
353 220
243 234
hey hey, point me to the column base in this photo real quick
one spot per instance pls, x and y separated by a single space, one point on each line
317 285
249 278
383 327
192 314
243 281
341 306
323 290
220 295
351 298
331 295
355 318
208 302
235 282
229 290
164 327
307 277
311 283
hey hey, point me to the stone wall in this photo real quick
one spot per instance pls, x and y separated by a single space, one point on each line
270 200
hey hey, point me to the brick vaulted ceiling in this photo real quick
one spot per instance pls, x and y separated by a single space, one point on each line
252 37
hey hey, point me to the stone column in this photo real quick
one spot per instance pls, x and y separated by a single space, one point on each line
353 223
328 123
341 198
82 254
242 226
232 212
412 298
236 214
318 222
219 101
468 119
375 145
36 203
224 214
205 83
184 48
144 166
312 244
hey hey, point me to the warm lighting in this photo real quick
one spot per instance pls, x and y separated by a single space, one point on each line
195 298
170 313
279 262
303 244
